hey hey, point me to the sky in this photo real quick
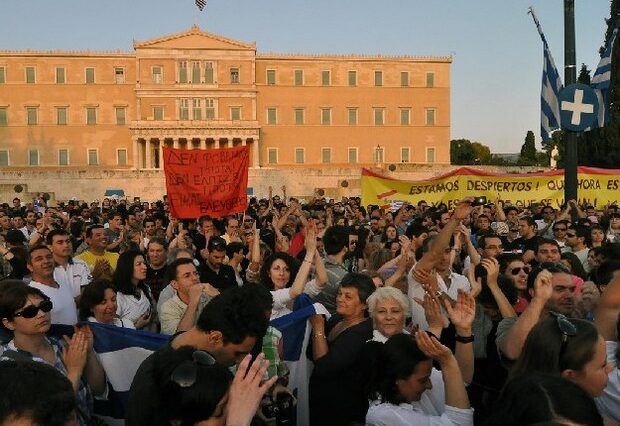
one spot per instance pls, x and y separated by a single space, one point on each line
496 50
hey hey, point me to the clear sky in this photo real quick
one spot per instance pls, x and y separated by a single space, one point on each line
497 53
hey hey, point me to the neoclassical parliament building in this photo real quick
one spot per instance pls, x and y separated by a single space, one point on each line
197 90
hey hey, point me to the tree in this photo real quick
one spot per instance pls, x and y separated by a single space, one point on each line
528 149
465 152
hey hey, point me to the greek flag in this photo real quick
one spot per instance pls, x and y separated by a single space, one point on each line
551 86
601 80
201 4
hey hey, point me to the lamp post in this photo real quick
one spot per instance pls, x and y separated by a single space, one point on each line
570 77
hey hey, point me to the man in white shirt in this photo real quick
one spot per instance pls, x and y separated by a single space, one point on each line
41 266
68 271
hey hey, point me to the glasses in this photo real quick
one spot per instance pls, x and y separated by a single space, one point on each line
32 310
566 327
571 235
559 229
515 271
185 374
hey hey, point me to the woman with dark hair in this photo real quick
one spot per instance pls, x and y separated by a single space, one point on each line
539 399
282 275
98 304
390 233
574 265
570 348
597 235
407 389
134 297
336 396
25 313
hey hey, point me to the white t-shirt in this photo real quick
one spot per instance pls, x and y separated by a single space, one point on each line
117 322
429 410
76 275
609 402
281 298
415 289
64 310
128 307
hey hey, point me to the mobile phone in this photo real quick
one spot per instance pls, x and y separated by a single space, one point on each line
479 201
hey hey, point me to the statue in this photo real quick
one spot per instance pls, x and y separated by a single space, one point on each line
553 161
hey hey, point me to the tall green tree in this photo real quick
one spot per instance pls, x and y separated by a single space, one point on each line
465 152
528 149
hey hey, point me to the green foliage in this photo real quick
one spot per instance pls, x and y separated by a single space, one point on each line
528 149
465 152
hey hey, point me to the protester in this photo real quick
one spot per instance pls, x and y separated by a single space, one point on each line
133 298
98 304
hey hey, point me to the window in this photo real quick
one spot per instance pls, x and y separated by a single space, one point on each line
271 115
4 157
326 78
430 155
119 75
61 116
210 109
404 154
300 155
121 157
430 117
352 116
90 75
379 154
271 77
182 71
120 116
352 155
93 157
60 75
63 157
299 116
158 112
158 74
234 76
33 157
4 118
272 155
30 75
299 77
404 78
209 72
2 75
430 79
91 115
32 116
235 113
197 109
378 78
195 72
184 109
378 114
405 116
326 116
352 78
326 155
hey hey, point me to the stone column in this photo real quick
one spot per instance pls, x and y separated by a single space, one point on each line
160 153
175 143
243 142
203 143
255 154
229 143
149 154
135 152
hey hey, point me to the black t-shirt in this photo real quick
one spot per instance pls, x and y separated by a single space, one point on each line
527 243
222 280
155 280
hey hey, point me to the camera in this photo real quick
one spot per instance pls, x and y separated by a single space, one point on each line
282 408
479 201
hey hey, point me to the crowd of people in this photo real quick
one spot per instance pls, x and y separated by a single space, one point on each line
485 314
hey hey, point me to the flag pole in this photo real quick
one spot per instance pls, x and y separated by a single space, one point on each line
570 77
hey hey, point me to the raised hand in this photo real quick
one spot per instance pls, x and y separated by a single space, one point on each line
543 288
432 348
75 354
432 312
492 267
462 313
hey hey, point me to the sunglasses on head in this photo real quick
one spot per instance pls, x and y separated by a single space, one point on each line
32 310
185 373
515 271
566 327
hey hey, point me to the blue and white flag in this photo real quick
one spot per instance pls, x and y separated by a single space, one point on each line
601 80
121 351
296 330
551 86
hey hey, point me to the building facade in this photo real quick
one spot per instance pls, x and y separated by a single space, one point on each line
197 90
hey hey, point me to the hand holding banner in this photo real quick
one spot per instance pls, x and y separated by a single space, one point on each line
212 182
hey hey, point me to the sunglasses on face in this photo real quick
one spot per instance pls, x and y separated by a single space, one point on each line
32 310
515 271
559 229
571 235
185 374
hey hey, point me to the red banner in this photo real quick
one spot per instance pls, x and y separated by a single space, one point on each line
206 182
